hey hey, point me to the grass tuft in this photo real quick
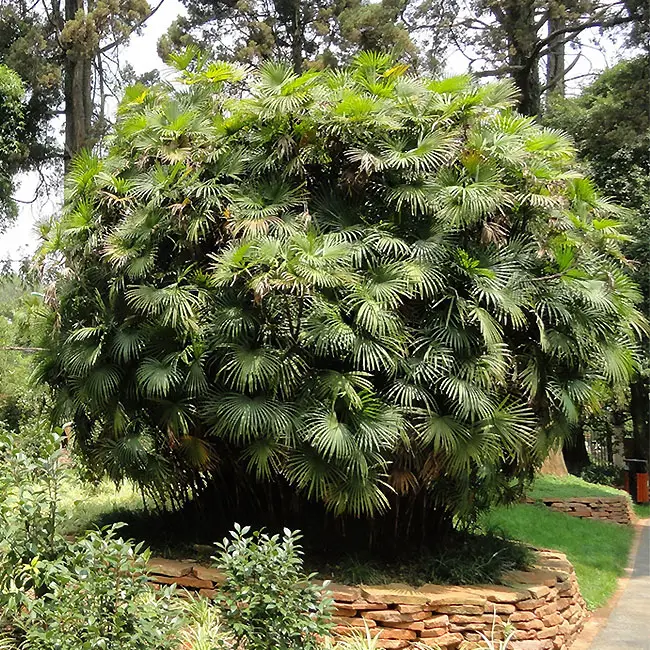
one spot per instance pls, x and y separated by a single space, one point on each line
464 559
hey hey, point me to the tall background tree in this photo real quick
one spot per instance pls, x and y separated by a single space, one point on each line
12 150
527 40
610 123
536 44
65 52
313 33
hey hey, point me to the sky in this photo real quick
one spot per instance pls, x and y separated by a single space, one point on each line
21 240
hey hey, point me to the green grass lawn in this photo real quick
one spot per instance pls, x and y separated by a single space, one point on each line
83 504
597 549
642 510
570 486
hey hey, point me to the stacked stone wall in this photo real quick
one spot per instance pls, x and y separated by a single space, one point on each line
544 606
616 509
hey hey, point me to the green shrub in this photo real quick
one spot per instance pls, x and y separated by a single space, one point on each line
99 596
603 475
267 599
30 480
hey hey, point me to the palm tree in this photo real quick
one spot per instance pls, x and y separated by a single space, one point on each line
380 294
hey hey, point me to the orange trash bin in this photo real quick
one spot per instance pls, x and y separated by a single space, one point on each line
642 487
636 479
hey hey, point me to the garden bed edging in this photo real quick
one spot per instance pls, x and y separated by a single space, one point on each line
544 605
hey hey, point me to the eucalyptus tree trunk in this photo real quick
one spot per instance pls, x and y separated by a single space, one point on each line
518 20
77 90
556 66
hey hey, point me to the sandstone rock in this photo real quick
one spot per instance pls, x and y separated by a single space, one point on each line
531 604
433 632
499 608
171 568
539 591
436 621
463 619
438 595
549 608
343 593
353 622
449 640
534 577
534 624
547 633
553 619
186 581
499 593
393 644
409 609
363 605
396 633
418 626
393 616
344 611
544 644
208 573
522 616
460 609
394 594
464 629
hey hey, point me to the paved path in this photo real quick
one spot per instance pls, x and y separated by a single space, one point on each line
628 626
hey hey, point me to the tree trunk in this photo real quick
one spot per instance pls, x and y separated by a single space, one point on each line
576 456
517 18
616 437
555 68
298 39
77 92
554 464
639 407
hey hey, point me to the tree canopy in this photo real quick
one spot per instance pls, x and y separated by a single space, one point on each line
12 152
312 33
379 293
610 124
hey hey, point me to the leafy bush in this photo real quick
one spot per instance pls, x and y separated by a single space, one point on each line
98 596
56 594
267 600
603 475
356 293
30 480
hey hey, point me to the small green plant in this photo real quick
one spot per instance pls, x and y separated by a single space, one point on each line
358 640
472 558
203 629
267 600
492 643
98 596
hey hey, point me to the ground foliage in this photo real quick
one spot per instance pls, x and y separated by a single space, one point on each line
381 294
